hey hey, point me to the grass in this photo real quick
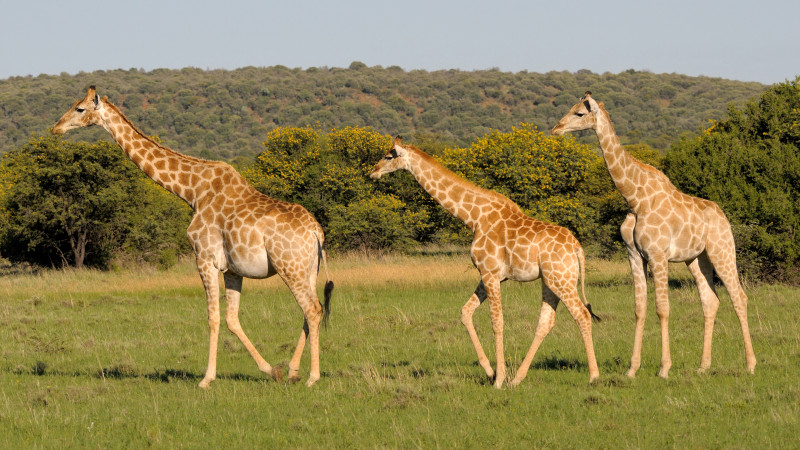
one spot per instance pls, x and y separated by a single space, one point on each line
113 360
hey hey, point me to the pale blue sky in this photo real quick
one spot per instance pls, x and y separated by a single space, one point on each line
736 39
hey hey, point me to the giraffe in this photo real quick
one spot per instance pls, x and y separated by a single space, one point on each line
507 245
665 225
235 230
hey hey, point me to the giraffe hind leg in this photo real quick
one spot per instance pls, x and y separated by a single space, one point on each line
547 318
723 257
312 311
703 273
568 293
233 291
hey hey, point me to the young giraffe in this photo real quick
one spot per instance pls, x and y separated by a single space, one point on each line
665 225
507 245
235 230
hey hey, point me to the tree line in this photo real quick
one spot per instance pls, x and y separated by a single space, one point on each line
224 115
56 194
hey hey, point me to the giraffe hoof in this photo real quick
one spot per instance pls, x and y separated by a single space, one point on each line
631 373
663 373
311 381
205 384
277 374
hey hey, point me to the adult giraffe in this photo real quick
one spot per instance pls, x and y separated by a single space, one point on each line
507 245
235 230
665 225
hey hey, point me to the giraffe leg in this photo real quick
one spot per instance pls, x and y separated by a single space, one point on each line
639 272
723 257
567 290
492 285
294 363
466 318
312 311
703 273
547 318
661 281
209 275
233 292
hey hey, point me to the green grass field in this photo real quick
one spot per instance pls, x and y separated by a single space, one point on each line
96 359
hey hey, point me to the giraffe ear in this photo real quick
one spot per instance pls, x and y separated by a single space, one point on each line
588 105
398 140
96 101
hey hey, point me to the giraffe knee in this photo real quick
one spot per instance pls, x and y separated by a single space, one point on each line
233 324
545 327
314 313
466 315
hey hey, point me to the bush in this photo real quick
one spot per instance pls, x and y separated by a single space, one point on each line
749 163
74 203
545 175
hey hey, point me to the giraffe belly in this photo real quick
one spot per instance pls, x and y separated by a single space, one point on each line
250 264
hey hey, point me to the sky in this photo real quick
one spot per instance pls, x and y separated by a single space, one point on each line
741 40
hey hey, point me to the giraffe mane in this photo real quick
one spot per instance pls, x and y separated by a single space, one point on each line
466 183
149 139
642 165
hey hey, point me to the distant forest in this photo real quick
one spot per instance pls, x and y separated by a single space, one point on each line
226 114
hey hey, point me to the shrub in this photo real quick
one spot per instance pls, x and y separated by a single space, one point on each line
749 163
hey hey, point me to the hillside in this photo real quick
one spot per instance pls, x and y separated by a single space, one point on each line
221 114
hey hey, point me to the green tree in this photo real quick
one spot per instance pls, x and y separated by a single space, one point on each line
74 203
749 163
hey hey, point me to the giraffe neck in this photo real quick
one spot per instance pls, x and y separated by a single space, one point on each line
457 195
624 169
175 172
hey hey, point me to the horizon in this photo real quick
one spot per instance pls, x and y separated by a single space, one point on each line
377 66
737 42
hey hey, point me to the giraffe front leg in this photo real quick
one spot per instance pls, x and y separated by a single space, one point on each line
639 273
233 291
492 285
208 274
466 318
660 279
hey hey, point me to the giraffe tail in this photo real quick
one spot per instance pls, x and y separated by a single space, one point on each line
582 264
326 303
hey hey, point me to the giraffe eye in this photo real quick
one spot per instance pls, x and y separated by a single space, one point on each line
580 114
80 110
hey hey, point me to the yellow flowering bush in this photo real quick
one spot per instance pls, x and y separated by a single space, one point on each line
543 174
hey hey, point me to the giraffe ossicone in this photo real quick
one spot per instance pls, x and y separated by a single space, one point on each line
507 245
665 225
235 230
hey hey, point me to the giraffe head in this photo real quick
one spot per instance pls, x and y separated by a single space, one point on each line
83 113
395 159
582 116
